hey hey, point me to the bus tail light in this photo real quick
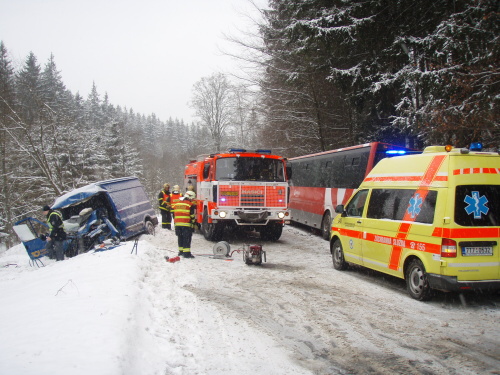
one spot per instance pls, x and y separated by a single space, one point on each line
448 248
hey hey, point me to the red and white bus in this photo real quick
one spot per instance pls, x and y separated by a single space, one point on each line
319 182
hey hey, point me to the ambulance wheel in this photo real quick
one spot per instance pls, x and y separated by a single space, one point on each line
339 262
326 226
416 281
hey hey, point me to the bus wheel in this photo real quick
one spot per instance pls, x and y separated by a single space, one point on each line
416 281
326 226
339 262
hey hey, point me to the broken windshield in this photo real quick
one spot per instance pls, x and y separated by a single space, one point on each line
250 169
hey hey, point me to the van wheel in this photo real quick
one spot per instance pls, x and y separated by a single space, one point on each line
326 226
150 228
416 281
339 262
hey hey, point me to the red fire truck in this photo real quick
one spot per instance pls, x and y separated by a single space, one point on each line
240 189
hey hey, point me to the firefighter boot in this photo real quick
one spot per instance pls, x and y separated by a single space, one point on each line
188 254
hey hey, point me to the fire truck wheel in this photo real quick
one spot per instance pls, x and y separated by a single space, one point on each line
339 262
416 281
211 231
271 232
326 226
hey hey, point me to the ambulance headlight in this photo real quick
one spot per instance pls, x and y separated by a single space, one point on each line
222 214
281 215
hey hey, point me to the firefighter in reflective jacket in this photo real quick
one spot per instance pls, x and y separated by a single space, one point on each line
55 240
175 195
184 219
165 207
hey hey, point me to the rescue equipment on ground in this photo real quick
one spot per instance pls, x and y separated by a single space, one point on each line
252 254
173 259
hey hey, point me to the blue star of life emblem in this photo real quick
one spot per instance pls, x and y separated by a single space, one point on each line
415 205
476 204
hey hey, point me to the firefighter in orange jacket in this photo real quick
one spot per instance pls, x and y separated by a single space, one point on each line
184 218
175 195
165 207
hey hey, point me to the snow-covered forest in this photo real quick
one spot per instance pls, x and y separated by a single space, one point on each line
400 71
329 74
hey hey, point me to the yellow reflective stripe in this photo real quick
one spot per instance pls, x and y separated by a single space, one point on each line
60 216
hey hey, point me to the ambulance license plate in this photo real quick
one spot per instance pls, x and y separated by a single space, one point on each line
477 251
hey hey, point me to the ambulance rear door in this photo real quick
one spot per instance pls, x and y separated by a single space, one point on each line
477 212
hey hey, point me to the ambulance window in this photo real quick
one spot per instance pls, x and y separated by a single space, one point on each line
356 204
477 205
402 204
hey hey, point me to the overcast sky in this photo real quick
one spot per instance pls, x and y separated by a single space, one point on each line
145 54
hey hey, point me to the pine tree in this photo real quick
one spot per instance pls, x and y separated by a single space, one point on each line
10 184
96 165
34 136
56 115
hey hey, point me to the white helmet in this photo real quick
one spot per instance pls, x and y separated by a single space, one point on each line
190 195
176 188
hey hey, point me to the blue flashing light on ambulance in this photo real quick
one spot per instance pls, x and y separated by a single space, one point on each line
432 219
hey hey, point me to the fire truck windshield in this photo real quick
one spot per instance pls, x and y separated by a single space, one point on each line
249 169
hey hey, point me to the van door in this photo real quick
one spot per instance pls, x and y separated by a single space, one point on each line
352 227
381 228
477 212
391 215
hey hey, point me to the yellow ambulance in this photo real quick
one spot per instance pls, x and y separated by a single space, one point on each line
432 219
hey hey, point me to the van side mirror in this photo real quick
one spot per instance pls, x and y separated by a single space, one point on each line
340 209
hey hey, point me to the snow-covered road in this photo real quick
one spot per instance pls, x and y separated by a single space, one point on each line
336 322
114 312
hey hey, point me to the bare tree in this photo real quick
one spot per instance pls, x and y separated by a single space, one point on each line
212 101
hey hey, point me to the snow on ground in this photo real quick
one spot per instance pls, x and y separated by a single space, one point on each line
118 312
